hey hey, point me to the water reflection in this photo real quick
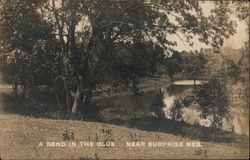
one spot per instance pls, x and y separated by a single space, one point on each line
237 120
126 107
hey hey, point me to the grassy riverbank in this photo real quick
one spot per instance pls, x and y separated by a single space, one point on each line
20 137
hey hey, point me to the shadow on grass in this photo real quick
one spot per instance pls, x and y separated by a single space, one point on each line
42 104
39 104
195 132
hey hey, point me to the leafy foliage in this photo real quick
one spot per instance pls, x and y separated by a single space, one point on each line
194 65
213 100
174 63
158 105
176 110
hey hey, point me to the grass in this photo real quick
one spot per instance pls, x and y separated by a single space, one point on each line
20 137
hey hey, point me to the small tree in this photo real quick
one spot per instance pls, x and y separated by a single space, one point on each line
158 105
233 71
176 110
213 99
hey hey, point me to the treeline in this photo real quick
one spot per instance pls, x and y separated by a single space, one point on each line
74 46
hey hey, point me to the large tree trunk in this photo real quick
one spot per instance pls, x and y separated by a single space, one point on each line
77 97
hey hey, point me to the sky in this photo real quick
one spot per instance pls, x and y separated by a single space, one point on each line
235 41
238 39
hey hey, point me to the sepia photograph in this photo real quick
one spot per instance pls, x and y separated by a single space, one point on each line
124 79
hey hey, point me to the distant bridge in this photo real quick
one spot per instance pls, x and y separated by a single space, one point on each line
190 82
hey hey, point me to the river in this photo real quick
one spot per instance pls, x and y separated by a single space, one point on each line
138 105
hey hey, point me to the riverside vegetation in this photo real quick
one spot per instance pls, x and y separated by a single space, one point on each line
66 59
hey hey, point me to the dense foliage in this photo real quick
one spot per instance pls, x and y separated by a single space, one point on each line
74 46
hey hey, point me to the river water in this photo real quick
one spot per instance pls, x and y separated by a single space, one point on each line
138 105
237 120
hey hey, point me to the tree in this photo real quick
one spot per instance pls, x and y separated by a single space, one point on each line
158 105
194 65
173 64
213 100
21 27
176 110
78 35
233 71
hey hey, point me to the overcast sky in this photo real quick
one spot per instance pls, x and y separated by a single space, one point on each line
237 40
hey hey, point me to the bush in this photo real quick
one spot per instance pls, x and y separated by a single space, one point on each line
176 110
